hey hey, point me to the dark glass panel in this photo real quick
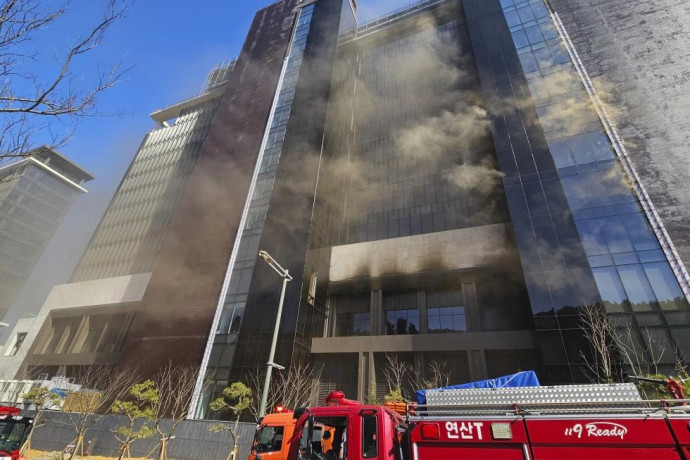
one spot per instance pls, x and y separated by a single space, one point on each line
592 238
640 232
520 38
665 286
637 287
446 319
538 290
601 146
400 322
581 149
560 149
616 237
610 288
536 201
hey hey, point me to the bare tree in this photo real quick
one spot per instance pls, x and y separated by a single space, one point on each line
438 375
599 331
101 386
296 386
32 102
397 373
642 359
638 351
176 387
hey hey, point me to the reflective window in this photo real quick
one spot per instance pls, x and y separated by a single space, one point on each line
610 288
400 322
348 324
665 286
446 319
637 287
269 439
370 446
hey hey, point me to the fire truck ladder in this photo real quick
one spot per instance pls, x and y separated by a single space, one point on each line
618 398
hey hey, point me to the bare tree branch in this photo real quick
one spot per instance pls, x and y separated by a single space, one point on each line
296 386
30 103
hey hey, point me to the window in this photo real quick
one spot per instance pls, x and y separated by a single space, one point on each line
447 319
370 446
269 439
18 340
349 324
400 322
311 296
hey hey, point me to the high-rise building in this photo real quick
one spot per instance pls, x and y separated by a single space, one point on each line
465 195
90 316
35 194
447 184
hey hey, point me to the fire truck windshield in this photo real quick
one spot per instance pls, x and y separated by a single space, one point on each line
12 434
269 439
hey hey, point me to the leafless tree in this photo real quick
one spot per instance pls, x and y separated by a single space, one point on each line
296 386
176 387
639 351
599 332
101 386
397 372
641 359
438 375
33 101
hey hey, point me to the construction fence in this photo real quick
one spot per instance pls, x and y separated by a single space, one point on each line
193 438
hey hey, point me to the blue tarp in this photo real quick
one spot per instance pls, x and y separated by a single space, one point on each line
521 379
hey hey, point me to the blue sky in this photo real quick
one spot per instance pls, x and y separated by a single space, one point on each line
171 44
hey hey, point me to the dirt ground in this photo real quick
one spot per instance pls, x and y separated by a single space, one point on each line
40 455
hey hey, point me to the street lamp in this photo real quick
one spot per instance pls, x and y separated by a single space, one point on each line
4 324
270 364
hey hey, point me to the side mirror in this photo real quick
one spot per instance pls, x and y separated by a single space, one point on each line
299 411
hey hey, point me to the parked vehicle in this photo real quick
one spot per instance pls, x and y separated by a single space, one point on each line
14 430
534 428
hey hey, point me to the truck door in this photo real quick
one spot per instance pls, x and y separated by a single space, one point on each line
268 443
313 446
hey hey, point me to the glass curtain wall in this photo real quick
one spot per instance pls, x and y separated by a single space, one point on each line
632 274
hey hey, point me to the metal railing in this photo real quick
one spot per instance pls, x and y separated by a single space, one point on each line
387 18
679 406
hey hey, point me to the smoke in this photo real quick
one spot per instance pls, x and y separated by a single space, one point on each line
414 108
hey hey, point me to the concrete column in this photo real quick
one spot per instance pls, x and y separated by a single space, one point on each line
332 318
361 375
378 321
477 364
371 375
418 369
469 294
421 304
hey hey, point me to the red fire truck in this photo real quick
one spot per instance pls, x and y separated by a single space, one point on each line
574 422
14 430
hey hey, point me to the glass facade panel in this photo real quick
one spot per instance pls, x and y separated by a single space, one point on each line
446 319
348 324
637 287
401 322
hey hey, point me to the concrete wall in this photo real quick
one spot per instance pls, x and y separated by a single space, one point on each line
193 439
451 250
74 298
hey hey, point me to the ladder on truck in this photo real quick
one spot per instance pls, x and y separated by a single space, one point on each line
615 398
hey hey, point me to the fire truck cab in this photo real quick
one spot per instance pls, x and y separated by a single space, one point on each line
14 430
600 427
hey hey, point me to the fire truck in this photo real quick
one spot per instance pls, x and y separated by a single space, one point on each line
14 431
568 422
